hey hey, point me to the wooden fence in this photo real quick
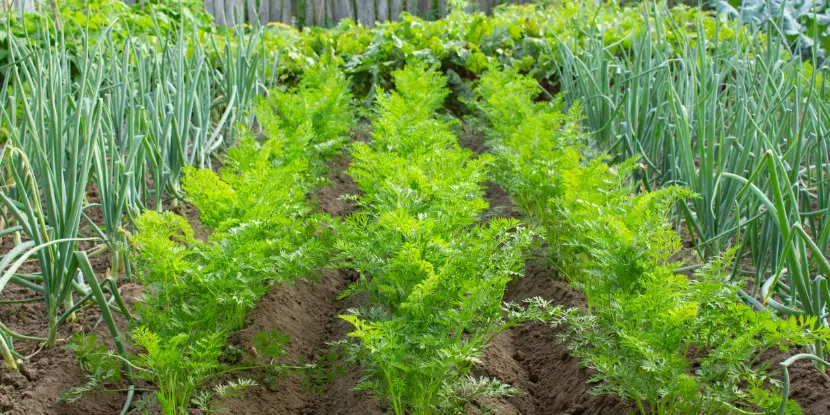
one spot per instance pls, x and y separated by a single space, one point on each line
312 12
328 12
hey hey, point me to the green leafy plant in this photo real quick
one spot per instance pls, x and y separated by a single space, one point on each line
177 366
645 323
435 279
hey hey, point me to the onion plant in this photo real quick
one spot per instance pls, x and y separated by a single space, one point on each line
691 114
107 113
173 100
799 284
118 157
238 76
667 108
51 159
180 92
54 129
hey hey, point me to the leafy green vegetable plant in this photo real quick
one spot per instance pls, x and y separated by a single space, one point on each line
435 279
645 324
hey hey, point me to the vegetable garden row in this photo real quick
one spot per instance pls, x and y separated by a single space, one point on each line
639 190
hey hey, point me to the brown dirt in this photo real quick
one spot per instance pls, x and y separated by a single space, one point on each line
532 359
500 204
191 213
49 373
309 314
809 387
687 256
329 197
473 138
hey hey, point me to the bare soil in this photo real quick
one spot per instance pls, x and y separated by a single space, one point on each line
329 197
49 373
532 359
809 387
308 312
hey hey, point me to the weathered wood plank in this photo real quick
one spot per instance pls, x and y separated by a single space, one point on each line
219 12
251 5
395 9
383 10
264 12
339 9
319 11
276 10
366 12
487 6
230 12
24 6
425 8
209 8
346 9
329 4
287 12
412 6
310 13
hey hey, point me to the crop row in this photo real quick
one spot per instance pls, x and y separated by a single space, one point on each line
646 323
667 117
264 232
435 277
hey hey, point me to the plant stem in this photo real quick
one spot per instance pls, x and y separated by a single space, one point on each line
68 305
52 334
7 353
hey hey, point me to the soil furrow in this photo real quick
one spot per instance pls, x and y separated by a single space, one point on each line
308 313
531 358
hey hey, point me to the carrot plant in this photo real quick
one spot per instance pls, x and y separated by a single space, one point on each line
435 279
645 323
